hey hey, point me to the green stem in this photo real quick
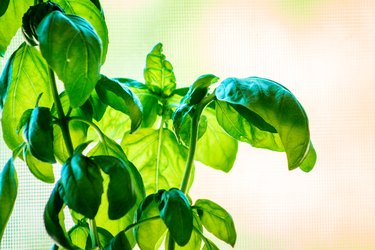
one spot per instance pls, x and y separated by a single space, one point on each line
94 234
140 222
171 243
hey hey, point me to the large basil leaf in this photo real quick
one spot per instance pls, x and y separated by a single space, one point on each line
271 106
176 213
54 219
150 234
82 186
158 73
151 150
11 21
29 74
216 148
8 193
217 220
91 11
121 98
39 134
120 193
73 50
41 170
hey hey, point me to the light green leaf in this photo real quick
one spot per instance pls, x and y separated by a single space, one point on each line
8 193
12 20
217 220
29 79
151 150
91 11
158 73
121 98
73 50
41 170
209 245
216 148
271 106
150 234
79 235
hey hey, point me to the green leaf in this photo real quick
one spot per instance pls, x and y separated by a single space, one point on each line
271 106
80 234
176 213
199 89
119 97
24 119
150 234
209 245
104 238
54 219
5 79
73 50
41 170
77 129
12 20
29 74
98 107
39 134
217 220
8 193
3 6
108 147
120 242
89 10
158 73
216 148
151 150
82 186
120 193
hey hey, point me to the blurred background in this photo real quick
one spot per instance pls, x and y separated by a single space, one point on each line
321 50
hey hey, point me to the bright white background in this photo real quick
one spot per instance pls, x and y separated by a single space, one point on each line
323 51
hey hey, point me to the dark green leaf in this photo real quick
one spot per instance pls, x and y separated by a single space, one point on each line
199 89
216 148
104 238
73 50
217 221
29 74
5 79
176 213
12 20
3 6
8 193
120 193
150 234
88 9
41 170
119 97
38 132
24 119
82 185
150 150
158 73
120 242
271 106
98 107
54 219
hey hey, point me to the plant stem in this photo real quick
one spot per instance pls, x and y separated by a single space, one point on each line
171 243
94 234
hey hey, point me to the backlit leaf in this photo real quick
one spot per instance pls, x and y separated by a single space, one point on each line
120 242
41 170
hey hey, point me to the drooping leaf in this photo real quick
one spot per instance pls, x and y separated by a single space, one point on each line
271 106
199 89
41 170
82 186
120 242
89 10
104 238
5 79
177 215
80 234
217 220
216 148
73 50
3 6
97 106
209 245
8 193
24 119
77 129
158 73
151 150
29 74
121 98
12 20
54 219
150 234
120 194
38 132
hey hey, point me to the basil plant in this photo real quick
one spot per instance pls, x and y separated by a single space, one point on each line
127 148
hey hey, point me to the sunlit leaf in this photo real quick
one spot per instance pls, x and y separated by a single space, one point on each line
158 73
8 193
271 106
79 235
120 242
29 79
73 50
41 170
151 150
217 220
